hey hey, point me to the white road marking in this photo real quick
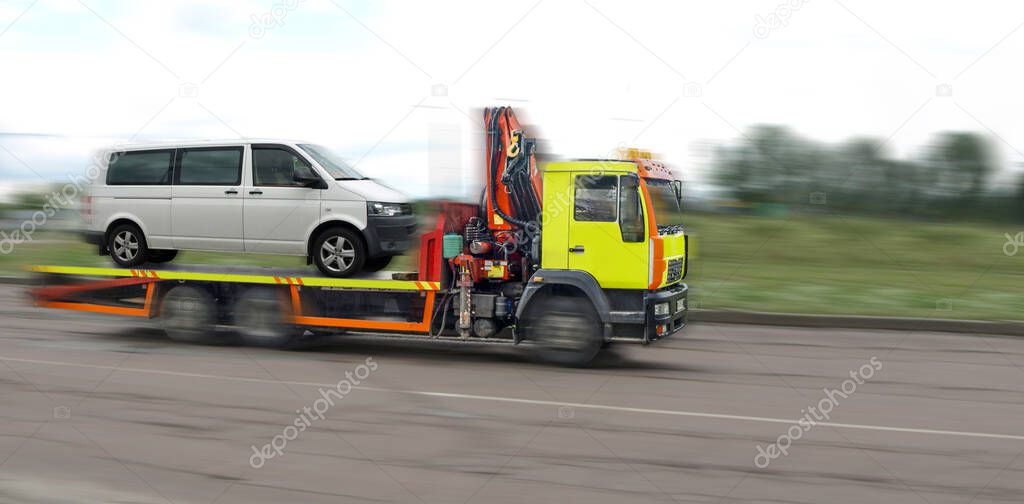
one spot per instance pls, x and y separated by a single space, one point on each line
537 402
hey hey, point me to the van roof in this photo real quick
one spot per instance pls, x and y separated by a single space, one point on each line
198 143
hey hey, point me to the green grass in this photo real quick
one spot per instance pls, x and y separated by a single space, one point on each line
803 264
857 266
65 249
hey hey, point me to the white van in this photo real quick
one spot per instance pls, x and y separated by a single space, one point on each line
253 196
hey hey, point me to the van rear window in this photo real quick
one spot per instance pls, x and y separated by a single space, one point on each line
140 168
210 166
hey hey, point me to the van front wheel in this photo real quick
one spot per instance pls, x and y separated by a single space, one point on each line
162 256
376 263
339 252
127 246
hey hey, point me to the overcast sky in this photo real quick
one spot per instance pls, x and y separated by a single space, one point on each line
383 81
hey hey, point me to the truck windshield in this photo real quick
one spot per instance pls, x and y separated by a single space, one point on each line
333 163
668 211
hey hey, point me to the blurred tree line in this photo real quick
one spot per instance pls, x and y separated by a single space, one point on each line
953 178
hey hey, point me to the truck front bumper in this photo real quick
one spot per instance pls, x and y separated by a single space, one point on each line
666 322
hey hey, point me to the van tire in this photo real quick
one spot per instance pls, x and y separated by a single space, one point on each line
127 245
349 256
162 256
377 263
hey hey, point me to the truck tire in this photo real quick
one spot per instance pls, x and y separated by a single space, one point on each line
189 315
127 245
339 252
376 263
564 330
261 317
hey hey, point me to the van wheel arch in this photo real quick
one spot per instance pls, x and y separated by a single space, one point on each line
323 226
117 222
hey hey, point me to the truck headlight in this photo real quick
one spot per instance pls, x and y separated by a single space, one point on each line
661 309
387 209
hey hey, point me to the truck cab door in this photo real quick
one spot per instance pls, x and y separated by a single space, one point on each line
607 234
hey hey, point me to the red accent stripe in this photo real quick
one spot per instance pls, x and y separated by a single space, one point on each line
64 291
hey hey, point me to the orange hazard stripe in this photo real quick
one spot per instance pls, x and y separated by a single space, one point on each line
145 311
422 326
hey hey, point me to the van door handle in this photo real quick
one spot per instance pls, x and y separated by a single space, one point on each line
578 249
257 191
231 191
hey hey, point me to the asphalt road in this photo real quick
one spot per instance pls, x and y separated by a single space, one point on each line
99 409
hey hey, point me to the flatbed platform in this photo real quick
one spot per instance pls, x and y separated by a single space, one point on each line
247 275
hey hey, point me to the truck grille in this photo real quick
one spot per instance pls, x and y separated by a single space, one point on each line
675 270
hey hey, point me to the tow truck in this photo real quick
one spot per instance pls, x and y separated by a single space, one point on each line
564 257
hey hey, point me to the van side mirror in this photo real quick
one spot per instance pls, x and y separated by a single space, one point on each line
311 182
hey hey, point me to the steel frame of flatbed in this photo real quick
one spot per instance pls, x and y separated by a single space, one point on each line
111 278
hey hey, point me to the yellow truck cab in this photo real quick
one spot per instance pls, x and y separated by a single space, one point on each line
612 229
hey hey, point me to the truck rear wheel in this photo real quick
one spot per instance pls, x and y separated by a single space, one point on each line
262 318
188 314
564 330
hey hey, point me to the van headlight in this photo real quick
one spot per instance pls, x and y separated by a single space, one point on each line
661 309
377 208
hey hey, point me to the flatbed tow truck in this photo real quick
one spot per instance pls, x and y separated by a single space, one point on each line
566 257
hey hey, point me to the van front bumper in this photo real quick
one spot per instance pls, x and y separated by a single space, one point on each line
388 236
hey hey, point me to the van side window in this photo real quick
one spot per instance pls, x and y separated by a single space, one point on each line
140 167
596 198
278 167
210 166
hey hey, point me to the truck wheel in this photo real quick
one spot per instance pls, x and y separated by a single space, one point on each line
189 315
565 331
339 252
377 263
162 256
127 245
261 316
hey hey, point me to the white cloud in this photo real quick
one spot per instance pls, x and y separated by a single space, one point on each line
592 77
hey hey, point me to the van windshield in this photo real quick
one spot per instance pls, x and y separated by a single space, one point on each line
335 165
